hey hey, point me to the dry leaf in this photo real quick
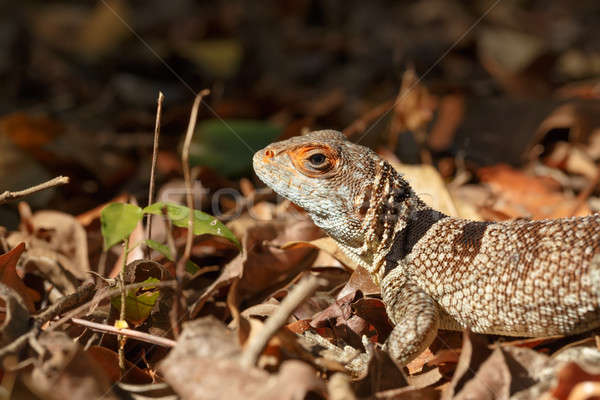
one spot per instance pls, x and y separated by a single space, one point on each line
9 276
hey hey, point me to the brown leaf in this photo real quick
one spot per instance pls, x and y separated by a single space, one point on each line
373 311
299 326
578 118
568 377
109 361
267 266
30 132
9 276
58 237
425 379
474 352
523 195
359 280
67 372
450 115
203 365
413 108
381 374
15 321
326 244
417 364
504 373
294 381
340 309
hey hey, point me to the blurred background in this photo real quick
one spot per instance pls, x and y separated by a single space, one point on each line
458 84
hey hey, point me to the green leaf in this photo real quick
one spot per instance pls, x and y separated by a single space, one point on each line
161 248
203 223
155 208
223 145
138 302
118 220
191 267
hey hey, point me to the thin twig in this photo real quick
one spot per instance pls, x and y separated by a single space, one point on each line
257 343
7 195
102 265
66 303
153 167
185 157
339 387
121 338
130 333
17 345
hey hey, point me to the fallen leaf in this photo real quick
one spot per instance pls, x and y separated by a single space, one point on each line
109 361
9 276
67 372
326 244
528 196
15 317
569 377
381 374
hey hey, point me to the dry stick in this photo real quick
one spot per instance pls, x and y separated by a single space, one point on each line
185 156
142 336
66 303
339 387
153 167
122 339
7 196
256 344
17 345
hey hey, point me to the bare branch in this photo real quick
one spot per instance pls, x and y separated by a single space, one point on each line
66 303
161 97
185 157
7 195
256 344
130 333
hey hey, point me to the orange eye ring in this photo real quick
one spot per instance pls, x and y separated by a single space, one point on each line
314 161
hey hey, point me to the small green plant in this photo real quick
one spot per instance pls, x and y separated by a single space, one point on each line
118 220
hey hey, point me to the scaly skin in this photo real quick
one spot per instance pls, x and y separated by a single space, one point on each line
516 278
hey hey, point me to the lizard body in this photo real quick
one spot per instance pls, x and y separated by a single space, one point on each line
515 278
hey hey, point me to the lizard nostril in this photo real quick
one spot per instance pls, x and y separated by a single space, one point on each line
269 154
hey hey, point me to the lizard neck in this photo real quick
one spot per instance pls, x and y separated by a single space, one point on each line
389 208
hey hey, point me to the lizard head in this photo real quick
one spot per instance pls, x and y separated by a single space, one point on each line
328 176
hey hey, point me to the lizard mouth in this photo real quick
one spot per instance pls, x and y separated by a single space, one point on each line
262 163
271 172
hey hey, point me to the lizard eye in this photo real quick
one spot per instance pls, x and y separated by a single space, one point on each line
317 159
314 160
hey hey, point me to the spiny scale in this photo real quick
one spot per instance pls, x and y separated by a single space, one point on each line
517 278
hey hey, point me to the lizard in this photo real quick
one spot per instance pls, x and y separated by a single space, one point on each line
521 277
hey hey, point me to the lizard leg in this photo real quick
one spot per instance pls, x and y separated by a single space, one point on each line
415 316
